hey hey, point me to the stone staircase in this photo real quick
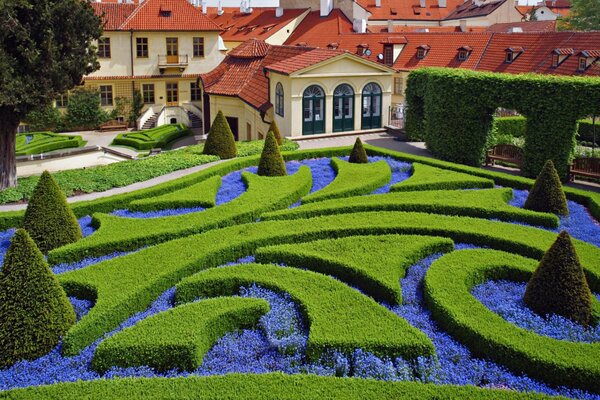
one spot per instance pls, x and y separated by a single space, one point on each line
195 121
151 122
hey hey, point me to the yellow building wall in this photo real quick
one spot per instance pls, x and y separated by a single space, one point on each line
250 124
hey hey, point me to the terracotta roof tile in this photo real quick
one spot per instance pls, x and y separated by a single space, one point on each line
168 15
470 10
113 14
303 60
316 26
408 9
530 26
252 48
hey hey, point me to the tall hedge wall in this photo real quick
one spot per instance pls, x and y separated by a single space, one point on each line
452 109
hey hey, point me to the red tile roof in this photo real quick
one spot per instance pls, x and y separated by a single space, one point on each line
470 10
113 14
303 60
260 24
250 49
421 29
168 15
315 26
408 9
530 26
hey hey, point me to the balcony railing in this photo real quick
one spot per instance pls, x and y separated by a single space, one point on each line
180 60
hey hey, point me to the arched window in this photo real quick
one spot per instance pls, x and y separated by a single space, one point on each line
343 108
314 110
371 106
279 99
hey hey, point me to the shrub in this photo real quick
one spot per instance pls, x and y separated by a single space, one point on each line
46 118
547 194
84 111
558 285
275 129
426 177
513 126
48 218
358 154
271 162
220 141
151 138
43 142
34 309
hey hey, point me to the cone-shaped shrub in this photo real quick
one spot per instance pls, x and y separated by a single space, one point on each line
34 309
558 285
358 155
275 129
48 218
271 162
547 194
220 141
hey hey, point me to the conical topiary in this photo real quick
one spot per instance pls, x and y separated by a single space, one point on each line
558 285
271 162
34 309
358 155
275 129
48 218
220 141
547 194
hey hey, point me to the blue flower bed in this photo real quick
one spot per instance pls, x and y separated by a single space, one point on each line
506 299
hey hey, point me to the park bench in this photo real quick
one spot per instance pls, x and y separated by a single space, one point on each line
504 152
585 166
113 126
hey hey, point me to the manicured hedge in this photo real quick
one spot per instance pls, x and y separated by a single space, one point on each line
374 264
151 138
516 127
426 177
585 130
275 386
122 234
338 316
453 109
352 180
43 142
123 286
485 203
180 337
202 194
447 292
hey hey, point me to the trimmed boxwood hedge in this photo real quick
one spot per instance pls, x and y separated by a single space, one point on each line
426 177
447 293
338 316
516 127
453 109
43 142
151 138
180 337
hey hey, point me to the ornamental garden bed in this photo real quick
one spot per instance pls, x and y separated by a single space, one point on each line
43 142
158 137
407 271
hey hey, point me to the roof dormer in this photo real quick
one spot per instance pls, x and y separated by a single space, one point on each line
512 53
422 51
559 55
587 58
464 52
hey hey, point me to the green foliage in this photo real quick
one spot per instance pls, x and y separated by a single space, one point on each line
338 316
151 138
43 142
352 180
452 109
84 111
202 194
485 203
48 218
220 141
273 386
180 337
510 126
137 104
34 310
358 154
46 118
271 162
426 177
275 129
583 16
558 285
547 194
585 130
447 293
374 264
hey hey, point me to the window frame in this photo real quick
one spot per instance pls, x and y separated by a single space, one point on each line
279 100
510 57
142 43
198 44
62 101
104 47
105 95
463 55
421 53
388 55
148 89
398 85
195 92
582 60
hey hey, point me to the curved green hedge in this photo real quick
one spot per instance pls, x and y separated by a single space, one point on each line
338 316
201 194
151 138
275 386
426 177
180 337
485 203
43 142
447 292
352 180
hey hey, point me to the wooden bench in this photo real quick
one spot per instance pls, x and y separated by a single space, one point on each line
585 166
504 152
113 126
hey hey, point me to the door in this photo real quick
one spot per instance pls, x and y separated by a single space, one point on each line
343 108
172 51
172 94
371 107
233 124
206 110
313 105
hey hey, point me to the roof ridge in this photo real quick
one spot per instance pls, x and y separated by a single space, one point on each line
135 11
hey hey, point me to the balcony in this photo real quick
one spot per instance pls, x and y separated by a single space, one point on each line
165 61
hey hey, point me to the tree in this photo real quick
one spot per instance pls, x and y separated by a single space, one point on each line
358 155
137 104
48 219
275 129
584 16
34 309
559 286
271 162
547 194
46 118
220 141
46 46
84 110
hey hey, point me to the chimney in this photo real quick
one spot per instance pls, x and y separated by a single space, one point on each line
219 8
360 25
390 25
204 7
326 7
422 3
377 3
463 25
442 3
279 12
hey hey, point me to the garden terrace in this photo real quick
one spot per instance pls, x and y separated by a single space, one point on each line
43 142
151 138
426 177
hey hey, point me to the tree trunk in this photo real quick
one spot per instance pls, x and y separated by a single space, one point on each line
9 122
